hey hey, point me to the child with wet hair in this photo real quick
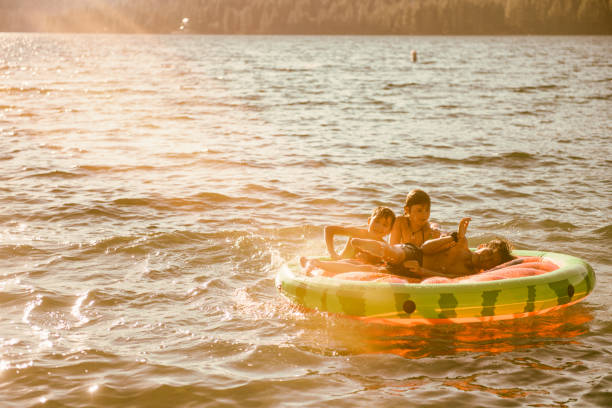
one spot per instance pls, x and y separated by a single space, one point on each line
379 225
414 226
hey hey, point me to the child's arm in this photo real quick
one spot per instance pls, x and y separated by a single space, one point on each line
443 243
396 231
380 249
434 246
428 273
351 232
417 270
329 232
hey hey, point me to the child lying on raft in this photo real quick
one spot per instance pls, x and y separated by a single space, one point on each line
447 256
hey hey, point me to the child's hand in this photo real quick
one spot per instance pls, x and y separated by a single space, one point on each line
436 231
412 266
463 224
361 256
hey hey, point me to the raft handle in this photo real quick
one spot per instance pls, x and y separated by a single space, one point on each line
409 306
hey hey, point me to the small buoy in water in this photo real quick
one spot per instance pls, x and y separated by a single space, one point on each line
413 55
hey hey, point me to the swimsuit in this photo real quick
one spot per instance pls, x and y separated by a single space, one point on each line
413 233
411 253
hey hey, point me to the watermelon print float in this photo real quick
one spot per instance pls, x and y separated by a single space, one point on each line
534 283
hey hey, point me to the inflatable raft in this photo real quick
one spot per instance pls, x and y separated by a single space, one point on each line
536 283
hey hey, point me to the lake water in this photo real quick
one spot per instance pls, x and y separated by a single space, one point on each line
151 187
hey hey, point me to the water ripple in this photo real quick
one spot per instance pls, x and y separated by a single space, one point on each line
153 185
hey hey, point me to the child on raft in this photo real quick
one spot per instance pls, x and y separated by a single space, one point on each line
414 226
447 256
379 225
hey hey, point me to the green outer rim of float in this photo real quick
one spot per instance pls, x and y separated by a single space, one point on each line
443 302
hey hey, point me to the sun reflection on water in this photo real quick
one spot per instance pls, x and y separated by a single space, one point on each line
422 341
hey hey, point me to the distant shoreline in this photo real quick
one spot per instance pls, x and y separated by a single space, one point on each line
311 17
306 35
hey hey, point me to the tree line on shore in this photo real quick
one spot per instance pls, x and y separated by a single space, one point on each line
399 17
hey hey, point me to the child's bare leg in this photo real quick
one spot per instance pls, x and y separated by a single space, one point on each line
351 261
332 268
389 253
308 265
336 267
